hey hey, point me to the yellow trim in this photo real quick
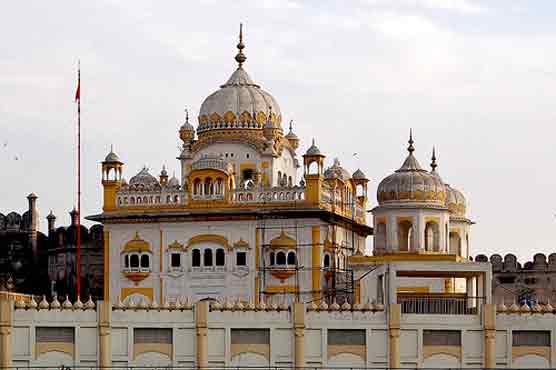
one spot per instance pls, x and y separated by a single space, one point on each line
219 239
44 347
429 351
175 245
380 220
265 165
126 292
261 349
357 350
455 230
315 262
530 350
413 289
106 266
404 218
281 289
163 348
247 166
283 241
136 276
432 219
137 245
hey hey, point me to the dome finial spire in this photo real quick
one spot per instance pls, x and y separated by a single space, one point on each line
433 163
291 125
410 148
240 57
186 115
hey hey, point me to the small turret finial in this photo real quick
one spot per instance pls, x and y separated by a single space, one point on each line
291 125
186 115
433 163
240 57
111 148
410 148
313 141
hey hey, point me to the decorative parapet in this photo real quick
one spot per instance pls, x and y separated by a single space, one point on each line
238 305
269 195
525 309
346 307
55 304
180 304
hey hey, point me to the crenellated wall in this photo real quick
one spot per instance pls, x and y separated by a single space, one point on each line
514 282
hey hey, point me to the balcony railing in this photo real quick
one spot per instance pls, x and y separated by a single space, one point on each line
439 304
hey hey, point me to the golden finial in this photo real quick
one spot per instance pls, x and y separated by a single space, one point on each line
240 57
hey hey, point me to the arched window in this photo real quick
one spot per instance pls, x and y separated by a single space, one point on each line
219 187
380 236
208 187
290 182
168 199
291 258
279 182
281 258
432 237
455 243
126 261
220 257
326 262
405 234
196 258
207 257
272 259
145 261
134 261
197 187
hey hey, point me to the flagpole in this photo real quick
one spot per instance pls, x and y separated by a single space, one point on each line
79 180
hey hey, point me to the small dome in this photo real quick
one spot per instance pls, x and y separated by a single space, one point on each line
336 171
313 149
143 178
411 183
163 172
455 201
112 157
359 175
173 181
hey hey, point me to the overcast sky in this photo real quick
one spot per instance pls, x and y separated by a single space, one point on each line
475 79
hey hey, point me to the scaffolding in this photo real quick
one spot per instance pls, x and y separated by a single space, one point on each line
339 283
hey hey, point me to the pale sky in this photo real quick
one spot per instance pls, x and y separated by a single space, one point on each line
474 78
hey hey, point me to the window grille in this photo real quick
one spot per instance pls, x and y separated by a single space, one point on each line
441 338
250 336
341 337
60 335
531 338
152 335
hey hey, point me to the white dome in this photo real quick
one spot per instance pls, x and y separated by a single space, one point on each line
143 178
411 183
239 103
336 171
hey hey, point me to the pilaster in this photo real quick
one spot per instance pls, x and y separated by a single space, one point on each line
6 320
201 325
105 349
315 262
299 329
489 322
394 318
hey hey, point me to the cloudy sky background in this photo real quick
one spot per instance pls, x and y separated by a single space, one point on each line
476 79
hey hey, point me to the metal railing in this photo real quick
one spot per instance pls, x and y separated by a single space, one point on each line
430 304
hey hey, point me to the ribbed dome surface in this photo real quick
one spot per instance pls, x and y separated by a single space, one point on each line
411 183
455 201
336 171
239 103
143 178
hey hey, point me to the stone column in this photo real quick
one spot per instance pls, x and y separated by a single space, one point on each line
299 328
489 322
201 319
257 263
104 349
6 312
394 316
315 262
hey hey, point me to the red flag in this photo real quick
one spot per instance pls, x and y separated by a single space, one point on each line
78 91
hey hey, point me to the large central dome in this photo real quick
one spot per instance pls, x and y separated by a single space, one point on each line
239 103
